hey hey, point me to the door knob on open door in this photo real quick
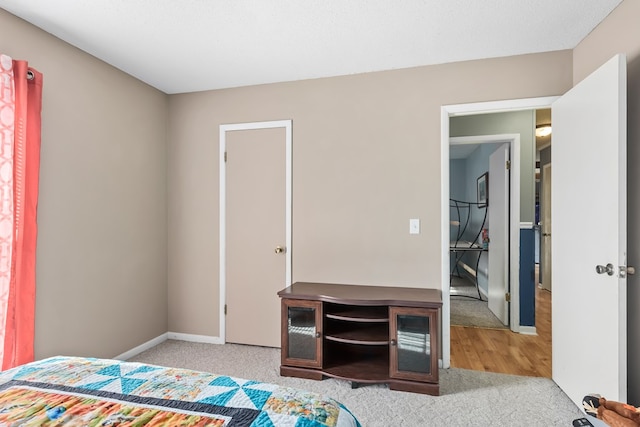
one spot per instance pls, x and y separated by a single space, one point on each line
279 249
601 269
625 271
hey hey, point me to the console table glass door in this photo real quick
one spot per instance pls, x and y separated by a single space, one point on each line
302 334
413 337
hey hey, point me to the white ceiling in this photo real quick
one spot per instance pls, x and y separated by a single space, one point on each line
192 45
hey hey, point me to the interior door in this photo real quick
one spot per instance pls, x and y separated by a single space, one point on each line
255 229
499 233
589 229
546 227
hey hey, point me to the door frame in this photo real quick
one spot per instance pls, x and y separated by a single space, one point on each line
513 139
547 247
446 112
287 125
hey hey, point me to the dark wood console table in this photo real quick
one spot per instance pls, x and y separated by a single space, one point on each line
364 334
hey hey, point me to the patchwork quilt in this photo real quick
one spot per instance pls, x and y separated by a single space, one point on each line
71 391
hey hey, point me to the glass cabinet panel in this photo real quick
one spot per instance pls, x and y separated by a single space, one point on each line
301 331
413 344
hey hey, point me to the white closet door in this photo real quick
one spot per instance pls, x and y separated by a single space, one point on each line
499 233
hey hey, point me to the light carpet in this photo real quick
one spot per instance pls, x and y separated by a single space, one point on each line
468 398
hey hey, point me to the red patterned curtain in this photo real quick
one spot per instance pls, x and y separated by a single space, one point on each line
20 106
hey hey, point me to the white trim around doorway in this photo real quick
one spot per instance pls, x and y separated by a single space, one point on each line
287 124
514 213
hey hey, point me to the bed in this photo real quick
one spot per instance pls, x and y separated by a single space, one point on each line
73 391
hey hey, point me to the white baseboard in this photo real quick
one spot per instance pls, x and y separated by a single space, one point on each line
194 338
142 347
168 336
527 330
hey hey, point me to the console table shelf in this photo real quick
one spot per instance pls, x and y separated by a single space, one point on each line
360 371
372 335
373 314
364 334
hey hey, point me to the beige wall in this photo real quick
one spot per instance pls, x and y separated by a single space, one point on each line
620 33
366 159
101 256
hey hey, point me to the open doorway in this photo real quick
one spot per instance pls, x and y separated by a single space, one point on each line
467 161
470 113
481 229
543 198
477 327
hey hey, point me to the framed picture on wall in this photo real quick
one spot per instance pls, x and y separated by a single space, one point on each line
483 190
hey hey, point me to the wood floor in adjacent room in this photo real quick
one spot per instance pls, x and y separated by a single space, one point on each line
503 351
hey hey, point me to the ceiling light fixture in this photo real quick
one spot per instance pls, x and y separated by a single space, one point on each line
543 130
